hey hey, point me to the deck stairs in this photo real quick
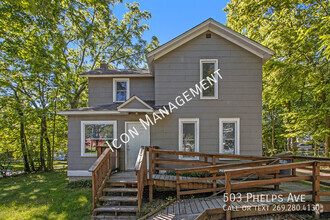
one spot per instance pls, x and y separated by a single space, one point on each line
119 200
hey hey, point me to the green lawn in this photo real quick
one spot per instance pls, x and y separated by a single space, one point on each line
43 196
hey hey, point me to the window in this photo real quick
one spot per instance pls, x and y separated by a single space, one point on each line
189 136
96 133
207 69
229 135
120 90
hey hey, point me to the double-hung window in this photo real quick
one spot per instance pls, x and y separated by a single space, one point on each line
120 90
229 135
189 136
208 75
95 134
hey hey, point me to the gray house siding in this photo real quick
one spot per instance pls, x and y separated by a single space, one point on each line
100 90
75 160
239 96
240 93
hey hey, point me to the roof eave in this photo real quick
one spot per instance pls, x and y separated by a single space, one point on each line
211 25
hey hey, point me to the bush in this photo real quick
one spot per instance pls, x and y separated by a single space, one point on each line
80 184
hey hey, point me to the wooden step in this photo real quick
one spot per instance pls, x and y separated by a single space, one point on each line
118 198
121 183
127 190
116 209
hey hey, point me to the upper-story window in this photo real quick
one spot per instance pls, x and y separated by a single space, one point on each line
120 90
207 69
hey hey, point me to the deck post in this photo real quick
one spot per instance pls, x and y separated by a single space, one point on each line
177 186
228 192
276 185
316 187
294 172
150 174
214 162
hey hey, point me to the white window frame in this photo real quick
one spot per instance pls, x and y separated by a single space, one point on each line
83 123
189 120
237 133
216 89
114 85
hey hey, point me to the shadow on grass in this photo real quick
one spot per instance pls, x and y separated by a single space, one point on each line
43 196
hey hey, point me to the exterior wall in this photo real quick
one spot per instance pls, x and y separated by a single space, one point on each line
75 160
100 90
240 94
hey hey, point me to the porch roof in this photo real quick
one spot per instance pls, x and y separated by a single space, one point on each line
111 109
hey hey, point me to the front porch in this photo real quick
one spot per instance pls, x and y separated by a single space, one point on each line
116 194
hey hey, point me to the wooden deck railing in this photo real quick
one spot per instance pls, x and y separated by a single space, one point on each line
141 173
213 173
106 162
159 161
242 172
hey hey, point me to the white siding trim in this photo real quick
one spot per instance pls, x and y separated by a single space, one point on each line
196 121
114 88
82 134
238 130
216 85
79 173
89 113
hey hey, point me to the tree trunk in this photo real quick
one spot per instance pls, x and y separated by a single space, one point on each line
41 146
326 144
294 145
273 129
29 154
23 147
48 147
315 149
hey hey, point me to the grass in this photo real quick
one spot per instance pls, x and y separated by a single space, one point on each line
19 166
44 195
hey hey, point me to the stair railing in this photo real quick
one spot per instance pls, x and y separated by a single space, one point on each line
101 171
141 173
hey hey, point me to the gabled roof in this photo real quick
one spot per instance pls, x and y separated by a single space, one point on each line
116 108
217 28
139 105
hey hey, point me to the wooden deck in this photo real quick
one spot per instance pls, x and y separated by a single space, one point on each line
211 175
193 208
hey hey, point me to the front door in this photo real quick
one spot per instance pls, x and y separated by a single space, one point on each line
135 142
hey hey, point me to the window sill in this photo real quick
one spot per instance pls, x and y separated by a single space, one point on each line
88 155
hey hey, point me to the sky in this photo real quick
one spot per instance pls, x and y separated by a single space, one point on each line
171 18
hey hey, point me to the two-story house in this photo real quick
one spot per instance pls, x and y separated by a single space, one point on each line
225 118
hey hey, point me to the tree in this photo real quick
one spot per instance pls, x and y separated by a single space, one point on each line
45 46
295 79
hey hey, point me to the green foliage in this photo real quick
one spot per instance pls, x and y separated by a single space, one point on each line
80 184
45 46
296 79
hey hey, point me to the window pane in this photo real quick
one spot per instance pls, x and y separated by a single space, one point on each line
121 86
188 137
97 135
208 71
229 138
121 96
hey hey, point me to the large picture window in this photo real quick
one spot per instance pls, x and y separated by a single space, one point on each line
229 135
189 136
95 134
120 90
207 69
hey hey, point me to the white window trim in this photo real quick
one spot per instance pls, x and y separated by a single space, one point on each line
237 135
181 121
83 123
114 86
215 61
